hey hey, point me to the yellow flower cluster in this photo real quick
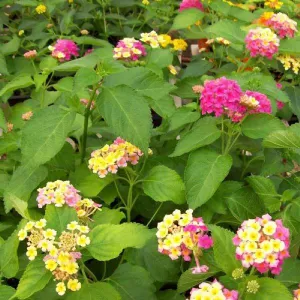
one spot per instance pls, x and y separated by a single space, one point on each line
164 40
274 4
61 253
172 70
290 62
179 44
150 38
40 9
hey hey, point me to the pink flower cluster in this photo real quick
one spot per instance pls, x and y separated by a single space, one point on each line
180 234
283 25
64 50
213 290
30 54
263 244
223 96
186 4
129 49
263 42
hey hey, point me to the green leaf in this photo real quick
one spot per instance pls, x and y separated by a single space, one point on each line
258 126
266 191
181 117
290 274
88 183
205 133
164 184
48 62
45 134
11 47
270 289
205 171
19 82
2 120
165 106
160 266
133 283
107 216
108 241
244 204
9 261
34 279
3 65
6 292
169 295
160 57
127 114
65 84
59 217
89 40
290 46
282 139
294 95
95 291
186 18
85 77
224 249
197 68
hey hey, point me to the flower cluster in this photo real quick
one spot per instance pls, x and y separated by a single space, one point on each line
85 102
213 290
30 54
290 62
219 40
110 158
263 244
282 25
180 234
27 116
164 40
62 252
264 18
273 4
64 50
186 4
129 49
41 9
262 41
150 38
223 96
297 294
179 45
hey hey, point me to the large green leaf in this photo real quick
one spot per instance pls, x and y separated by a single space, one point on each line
85 77
11 47
266 191
108 241
197 68
164 184
290 274
16 83
45 134
181 117
205 133
9 143
107 216
127 114
186 18
34 279
164 106
160 57
224 249
258 126
133 283
269 289
205 171
282 139
95 291
6 292
290 46
244 204
294 95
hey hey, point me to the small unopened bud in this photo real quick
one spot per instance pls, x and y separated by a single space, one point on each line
30 54
21 32
27 116
9 126
198 89
84 32
252 286
49 26
238 273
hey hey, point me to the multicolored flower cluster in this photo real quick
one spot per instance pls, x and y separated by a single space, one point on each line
30 54
262 42
223 96
273 4
297 294
186 4
110 158
213 291
150 38
180 234
290 62
263 244
63 50
62 252
129 49
282 25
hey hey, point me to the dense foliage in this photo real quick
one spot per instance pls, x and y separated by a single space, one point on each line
111 191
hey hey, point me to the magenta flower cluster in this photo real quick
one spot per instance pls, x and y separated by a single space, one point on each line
186 4
63 50
129 49
263 244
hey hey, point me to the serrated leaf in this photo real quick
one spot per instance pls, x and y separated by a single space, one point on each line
107 216
108 241
45 134
224 249
290 46
6 292
294 95
18 82
290 274
186 18
127 114
85 77
34 279
258 126
65 84
164 107
160 57
282 139
181 117
205 171
164 184
197 68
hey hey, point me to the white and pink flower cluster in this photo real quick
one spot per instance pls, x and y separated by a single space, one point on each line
63 50
129 49
180 234
223 96
263 244
213 290
110 158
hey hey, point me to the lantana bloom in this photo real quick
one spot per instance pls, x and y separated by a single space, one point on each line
110 158
129 49
262 42
151 39
27 116
180 234
283 25
40 9
64 50
263 244
213 290
274 4
30 54
186 4
179 45
290 62
164 40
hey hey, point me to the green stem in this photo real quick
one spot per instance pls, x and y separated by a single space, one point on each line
104 21
90 273
159 207
83 273
129 202
233 142
104 270
119 194
223 140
